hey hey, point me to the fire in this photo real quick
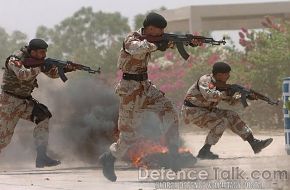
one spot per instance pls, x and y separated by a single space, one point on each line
183 150
144 148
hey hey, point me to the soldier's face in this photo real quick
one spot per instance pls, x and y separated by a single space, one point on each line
153 31
38 54
223 77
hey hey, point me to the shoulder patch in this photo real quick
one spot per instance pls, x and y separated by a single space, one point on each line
16 62
211 85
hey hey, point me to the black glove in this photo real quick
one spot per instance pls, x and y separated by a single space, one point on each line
162 45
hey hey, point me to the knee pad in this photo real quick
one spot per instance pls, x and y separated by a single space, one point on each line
39 113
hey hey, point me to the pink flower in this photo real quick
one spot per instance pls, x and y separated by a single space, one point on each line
242 42
169 55
241 35
244 30
265 24
269 20
213 58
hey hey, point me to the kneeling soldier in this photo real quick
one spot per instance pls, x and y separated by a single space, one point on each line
200 108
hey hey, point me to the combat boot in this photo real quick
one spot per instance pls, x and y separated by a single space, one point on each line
107 160
42 160
258 145
205 153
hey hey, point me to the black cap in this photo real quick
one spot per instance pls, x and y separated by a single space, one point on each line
220 67
35 44
154 19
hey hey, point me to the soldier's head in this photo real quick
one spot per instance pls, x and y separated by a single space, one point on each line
37 48
154 24
221 71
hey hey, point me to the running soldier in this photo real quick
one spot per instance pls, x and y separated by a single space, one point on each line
200 108
16 102
138 94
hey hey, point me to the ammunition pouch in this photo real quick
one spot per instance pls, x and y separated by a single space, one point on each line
39 112
189 104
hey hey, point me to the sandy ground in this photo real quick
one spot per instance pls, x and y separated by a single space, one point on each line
233 151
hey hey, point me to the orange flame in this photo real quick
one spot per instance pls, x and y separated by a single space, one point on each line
144 148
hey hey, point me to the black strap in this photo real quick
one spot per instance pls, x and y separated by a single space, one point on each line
197 86
7 60
136 77
189 104
124 49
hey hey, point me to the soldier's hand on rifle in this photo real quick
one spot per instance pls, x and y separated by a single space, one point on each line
196 42
70 68
253 97
162 45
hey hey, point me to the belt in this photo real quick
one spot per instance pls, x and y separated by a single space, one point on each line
136 77
189 104
18 96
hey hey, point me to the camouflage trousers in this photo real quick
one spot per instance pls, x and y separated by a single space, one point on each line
133 106
216 120
11 110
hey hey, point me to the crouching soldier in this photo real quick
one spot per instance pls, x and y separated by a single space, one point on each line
200 108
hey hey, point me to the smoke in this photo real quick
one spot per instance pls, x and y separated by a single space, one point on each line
85 112
83 125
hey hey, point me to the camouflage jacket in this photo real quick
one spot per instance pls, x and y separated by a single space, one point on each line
133 59
19 80
204 93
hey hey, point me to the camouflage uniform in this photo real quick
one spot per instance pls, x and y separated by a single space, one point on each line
204 113
139 96
16 101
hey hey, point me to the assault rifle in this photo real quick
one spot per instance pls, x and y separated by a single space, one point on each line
246 94
182 39
63 65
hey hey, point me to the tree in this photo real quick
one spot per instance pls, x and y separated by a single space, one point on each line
267 55
265 63
10 43
87 37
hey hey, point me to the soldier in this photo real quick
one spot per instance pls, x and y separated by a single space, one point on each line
16 101
138 94
200 108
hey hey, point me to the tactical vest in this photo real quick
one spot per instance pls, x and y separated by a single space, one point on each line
11 84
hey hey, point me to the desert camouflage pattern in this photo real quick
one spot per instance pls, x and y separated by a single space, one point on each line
135 54
15 98
204 95
136 97
11 110
19 80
